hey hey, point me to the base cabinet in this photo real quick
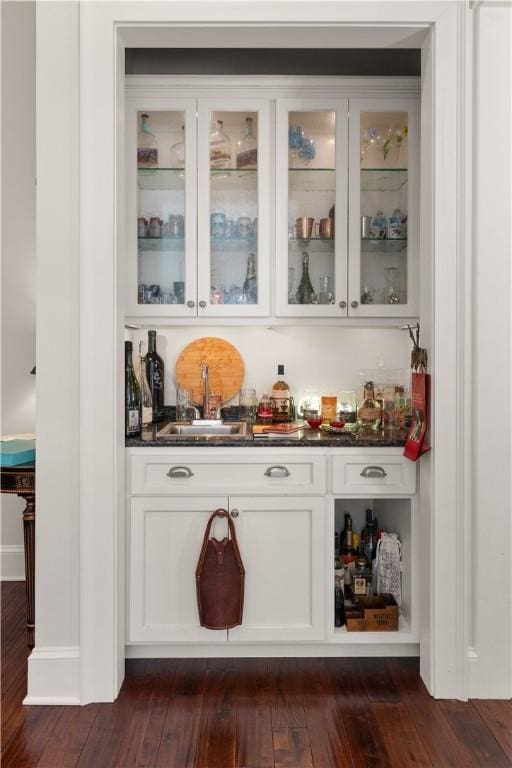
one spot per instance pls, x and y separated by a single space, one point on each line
281 541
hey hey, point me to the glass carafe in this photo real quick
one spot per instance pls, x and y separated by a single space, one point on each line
147 145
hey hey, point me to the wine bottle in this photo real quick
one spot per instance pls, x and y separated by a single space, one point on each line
132 394
339 604
280 398
146 406
305 293
250 289
155 374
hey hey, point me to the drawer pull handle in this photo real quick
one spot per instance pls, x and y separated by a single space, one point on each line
374 472
180 472
277 470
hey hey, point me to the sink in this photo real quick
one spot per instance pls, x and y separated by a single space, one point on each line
230 430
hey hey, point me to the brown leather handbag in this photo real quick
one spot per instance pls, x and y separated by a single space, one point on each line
220 579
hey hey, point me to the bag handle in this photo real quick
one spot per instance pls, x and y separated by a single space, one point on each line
231 526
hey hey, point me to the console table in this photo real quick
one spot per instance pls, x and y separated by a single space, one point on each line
21 481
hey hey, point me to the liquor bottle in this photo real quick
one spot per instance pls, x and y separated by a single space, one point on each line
146 407
177 154
147 145
280 398
343 534
369 413
362 577
155 374
339 603
305 293
250 287
348 552
132 394
369 543
247 147
220 147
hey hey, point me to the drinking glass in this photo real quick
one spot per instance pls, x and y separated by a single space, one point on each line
183 404
348 406
248 403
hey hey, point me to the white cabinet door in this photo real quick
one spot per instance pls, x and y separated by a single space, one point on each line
165 542
234 189
311 207
383 208
161 192
282 547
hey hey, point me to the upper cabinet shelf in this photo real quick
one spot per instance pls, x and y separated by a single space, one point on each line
383 179
312 179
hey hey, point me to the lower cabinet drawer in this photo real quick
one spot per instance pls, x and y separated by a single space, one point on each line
211 473
370 474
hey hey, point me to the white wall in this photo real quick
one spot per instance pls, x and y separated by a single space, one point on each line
18 253
325 359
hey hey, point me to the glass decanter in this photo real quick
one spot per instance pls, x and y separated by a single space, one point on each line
392 295
247 147
305 293
177 153
220 147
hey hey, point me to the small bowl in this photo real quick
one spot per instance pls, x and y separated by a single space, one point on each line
337 424
314 422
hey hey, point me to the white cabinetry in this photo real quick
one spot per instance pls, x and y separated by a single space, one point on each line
282 541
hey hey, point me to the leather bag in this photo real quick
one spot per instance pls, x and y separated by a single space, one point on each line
220 579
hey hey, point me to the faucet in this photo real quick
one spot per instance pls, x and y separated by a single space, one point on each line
204 375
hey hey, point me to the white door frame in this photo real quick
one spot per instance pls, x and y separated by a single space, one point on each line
105 29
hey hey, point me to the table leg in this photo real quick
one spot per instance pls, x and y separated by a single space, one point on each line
29 527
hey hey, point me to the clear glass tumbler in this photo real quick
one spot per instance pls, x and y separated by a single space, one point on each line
248 403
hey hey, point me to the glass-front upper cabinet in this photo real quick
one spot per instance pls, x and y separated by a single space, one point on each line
234 187
383 208
161 221
311 207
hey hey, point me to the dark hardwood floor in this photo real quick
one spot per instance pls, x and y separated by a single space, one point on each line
258 713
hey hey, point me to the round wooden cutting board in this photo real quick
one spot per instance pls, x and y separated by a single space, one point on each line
225 368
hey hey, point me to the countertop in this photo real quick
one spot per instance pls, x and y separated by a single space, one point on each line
308 439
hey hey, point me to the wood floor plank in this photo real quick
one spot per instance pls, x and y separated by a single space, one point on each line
29 741
377 681
497 715
287 705
216 740
441 744
367 748
292 748
254 742
67 739
328 738
470 730
147 752
399 734
178 744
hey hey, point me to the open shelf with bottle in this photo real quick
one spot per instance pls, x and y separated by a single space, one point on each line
393 515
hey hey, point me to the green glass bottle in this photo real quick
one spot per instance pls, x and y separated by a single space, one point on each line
305 293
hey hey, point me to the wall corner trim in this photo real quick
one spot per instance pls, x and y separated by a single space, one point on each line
54 676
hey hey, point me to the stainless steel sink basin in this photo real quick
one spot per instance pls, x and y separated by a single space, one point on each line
218 430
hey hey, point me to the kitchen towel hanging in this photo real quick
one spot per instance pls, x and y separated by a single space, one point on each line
220 579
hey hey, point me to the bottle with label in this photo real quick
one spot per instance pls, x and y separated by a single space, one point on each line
305 293
220 147
155 374
147 145
369 413
339 603
247 147
177 155
348 552
146 407
132 394
280 398
250 287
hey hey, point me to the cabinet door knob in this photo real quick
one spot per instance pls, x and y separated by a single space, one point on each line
234 513
180 472
190 303
342 304
202 303
354 304
277 470
374 472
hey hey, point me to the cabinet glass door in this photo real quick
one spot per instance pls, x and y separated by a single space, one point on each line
233 195
383 208
311 187
161 147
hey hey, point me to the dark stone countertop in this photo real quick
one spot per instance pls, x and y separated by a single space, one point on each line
308 439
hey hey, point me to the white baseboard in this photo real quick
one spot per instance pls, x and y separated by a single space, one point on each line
263 650
53 676
12 562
